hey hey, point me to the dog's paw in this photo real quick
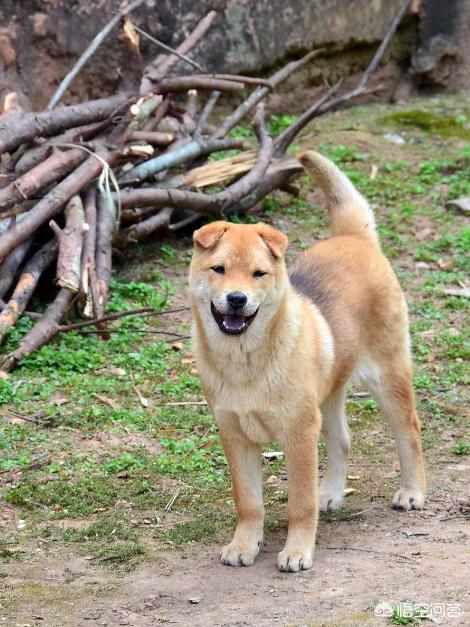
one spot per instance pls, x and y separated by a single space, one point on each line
237 554
293 560
330 500
408 498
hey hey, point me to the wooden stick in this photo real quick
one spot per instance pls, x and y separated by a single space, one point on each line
184 83
373 65
35 156
247 105
249 80
94 45
88 281
26 285
46 208
9 268
160 44
152 137
156 74
190 150
209 204
205 114
284 139
142 230
274 178
49 123
104 239
70 244
45 329
55 167
143 312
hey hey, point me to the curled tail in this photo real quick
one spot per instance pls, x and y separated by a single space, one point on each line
349 212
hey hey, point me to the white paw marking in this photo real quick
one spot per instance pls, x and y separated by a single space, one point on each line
408 498
235 554
293 560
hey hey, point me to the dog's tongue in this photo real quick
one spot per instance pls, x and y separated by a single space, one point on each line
234 323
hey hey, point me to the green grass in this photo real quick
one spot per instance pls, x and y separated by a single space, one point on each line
461 448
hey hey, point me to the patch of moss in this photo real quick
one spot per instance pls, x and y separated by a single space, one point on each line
433 123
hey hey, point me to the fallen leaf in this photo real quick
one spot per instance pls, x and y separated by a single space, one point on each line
177 346
444 263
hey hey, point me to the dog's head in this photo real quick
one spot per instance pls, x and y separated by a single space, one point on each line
238 276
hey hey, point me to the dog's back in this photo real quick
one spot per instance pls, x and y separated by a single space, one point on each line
346 276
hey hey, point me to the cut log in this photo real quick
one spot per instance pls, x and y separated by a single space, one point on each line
70 244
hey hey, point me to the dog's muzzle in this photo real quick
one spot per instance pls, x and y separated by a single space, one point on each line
232 323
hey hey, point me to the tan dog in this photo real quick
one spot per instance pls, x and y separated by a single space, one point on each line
275 355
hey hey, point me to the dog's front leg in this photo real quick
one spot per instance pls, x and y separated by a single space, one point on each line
244 459
302 509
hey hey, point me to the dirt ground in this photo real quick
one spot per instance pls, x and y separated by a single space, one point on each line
367 553
388 555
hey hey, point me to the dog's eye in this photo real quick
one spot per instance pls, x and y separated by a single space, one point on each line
258 273
218 269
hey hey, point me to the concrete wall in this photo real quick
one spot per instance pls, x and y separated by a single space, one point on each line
40 40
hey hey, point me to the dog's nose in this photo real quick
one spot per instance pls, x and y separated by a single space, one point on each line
237 299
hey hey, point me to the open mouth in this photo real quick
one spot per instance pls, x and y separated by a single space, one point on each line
232 324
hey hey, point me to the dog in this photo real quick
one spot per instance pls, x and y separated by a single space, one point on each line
276 351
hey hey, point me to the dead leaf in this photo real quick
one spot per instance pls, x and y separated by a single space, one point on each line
445 263
177 346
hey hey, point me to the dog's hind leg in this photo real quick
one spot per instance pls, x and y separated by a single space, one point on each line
393 390
336 431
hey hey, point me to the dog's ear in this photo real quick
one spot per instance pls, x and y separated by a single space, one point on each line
275 240
208 235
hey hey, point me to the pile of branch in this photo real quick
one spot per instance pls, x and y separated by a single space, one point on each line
79 180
